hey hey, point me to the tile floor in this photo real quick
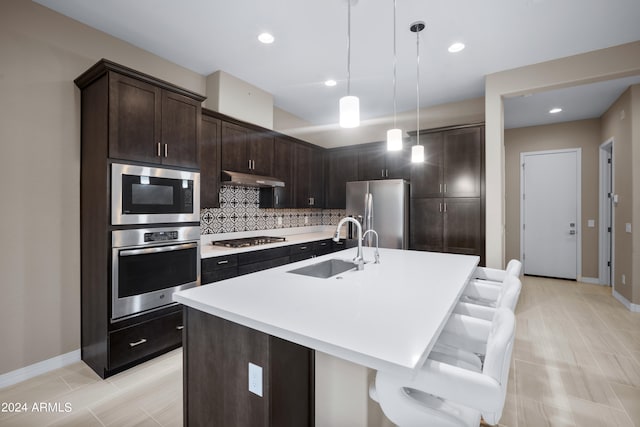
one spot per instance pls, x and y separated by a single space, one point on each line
576 363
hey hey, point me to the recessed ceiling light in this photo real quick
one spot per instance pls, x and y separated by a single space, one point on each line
456 47
266 38
555 110
330 83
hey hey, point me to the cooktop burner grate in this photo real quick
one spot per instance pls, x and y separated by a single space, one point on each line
249 241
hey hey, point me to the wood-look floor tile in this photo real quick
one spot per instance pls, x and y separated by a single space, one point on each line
630 398
83 418
540 383
532 413
603 341
619 369
590 414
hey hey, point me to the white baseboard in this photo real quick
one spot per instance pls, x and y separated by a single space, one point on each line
22 374
590 280
630 306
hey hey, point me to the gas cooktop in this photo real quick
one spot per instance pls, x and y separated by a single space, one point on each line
248 241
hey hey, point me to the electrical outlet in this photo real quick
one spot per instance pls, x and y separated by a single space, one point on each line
624 279
591 223
306 219
255 379
279 220
627 227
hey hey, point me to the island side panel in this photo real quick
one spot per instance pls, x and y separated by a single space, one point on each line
216 357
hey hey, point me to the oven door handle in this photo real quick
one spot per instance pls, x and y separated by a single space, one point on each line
158 249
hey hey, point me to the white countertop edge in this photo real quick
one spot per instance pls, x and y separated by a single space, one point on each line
303 340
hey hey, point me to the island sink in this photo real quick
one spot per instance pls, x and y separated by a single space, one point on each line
325 269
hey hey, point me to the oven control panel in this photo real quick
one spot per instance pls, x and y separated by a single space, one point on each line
160 236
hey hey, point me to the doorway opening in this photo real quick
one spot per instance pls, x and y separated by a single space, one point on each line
606 222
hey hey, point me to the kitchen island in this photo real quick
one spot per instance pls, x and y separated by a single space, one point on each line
385 317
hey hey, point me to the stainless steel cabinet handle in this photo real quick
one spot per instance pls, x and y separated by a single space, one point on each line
445 189
166 149
323 244
249 164
223 262
440 191
445 207
158 249
381 173
440 207
276 199
303 248
159 155
254 164
137 343
179 328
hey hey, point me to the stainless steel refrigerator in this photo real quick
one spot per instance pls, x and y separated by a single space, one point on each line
382 205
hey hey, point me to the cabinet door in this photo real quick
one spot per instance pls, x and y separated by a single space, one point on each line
426 178
282 169
301 165
180 130
371 163
260 152
463 226
134 120
463 150
426 224
316 178
397 164
341 167
234 141
210 163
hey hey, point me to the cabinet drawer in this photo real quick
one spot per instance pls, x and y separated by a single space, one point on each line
262 255
217 275
339 245
144 339
262 265
219 262
324 247
302 248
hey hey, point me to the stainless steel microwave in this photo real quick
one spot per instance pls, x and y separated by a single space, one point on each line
150 195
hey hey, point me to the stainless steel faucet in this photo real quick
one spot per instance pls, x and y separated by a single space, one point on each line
358 260
376 254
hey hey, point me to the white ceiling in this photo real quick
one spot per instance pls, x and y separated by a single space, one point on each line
310 46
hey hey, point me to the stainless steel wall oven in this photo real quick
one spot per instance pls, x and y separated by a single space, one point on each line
149 264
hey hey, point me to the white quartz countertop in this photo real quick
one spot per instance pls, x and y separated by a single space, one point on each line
208 250
387 316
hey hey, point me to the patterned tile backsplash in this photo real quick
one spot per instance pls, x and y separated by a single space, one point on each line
240 211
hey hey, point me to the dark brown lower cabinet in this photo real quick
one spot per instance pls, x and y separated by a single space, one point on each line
216 356
454 225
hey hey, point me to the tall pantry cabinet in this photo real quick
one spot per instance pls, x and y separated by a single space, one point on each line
448 192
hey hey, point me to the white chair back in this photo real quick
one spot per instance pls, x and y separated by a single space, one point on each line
514 267
510 293
497 360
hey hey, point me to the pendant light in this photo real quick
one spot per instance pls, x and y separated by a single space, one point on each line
394 136
417 151
349 105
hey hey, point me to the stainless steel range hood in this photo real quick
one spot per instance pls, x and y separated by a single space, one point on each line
248 180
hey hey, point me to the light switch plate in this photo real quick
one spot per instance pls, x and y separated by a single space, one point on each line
627 227
255 379
591 223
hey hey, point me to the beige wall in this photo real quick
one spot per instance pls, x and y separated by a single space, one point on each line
41 53
619 123
618 61
635 182
584 134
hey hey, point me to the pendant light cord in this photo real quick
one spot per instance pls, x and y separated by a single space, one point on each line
395 62
418 88
349 48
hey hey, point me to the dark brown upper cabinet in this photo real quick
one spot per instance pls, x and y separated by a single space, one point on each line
376 162
149 124
145 119
308 176
452 166
247 150
210 161
341 167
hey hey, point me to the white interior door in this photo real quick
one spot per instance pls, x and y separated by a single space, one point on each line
551 213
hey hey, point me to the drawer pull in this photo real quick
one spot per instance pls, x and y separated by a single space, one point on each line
224 261
137 343
303 248
323 244
179 328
